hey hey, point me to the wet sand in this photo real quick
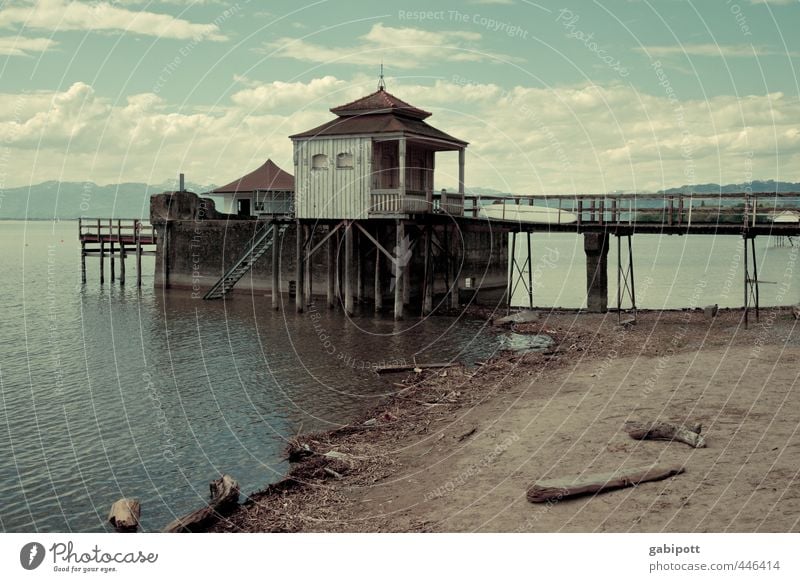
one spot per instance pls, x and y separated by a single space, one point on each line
456 450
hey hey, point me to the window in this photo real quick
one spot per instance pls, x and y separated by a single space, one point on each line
344 160
319 162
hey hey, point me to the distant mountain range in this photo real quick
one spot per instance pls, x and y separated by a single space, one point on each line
756 186
70 200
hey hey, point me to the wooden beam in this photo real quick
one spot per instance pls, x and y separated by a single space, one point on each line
299 270
461 156
325 238
377 244
558 489
331 266
276 268
427 280
401 146
378 287
307 267
348 269
398 279
359 268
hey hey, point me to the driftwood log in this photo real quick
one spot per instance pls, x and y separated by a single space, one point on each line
224 498
666 431
124 515
414 367
548 489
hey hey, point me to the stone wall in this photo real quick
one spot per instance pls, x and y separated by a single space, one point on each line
197 244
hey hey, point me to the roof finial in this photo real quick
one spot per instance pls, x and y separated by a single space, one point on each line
381 82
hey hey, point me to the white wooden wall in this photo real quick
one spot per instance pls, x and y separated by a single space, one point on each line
333 193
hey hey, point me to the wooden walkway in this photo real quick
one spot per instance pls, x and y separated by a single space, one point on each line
115 239
750 214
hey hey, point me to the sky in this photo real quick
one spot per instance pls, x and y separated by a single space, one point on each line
553 96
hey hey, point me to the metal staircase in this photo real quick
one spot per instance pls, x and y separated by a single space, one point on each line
262 241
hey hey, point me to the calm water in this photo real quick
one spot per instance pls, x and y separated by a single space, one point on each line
670 271
108 392
111 392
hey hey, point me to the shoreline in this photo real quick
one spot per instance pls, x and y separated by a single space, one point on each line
454 450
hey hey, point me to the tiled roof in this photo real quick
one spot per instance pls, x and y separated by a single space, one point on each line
379 102
380 123
267 177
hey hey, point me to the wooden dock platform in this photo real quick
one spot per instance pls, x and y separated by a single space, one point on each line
115 239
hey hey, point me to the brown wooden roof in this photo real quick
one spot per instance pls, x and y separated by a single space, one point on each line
267 177
377 103
381 123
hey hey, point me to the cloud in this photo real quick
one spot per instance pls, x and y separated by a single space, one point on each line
711 50
61 15
404 48
18 46
586 138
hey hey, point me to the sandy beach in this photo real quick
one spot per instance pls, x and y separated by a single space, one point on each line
456 450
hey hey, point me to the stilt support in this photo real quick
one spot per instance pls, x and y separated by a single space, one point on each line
348 268
521 270
399 270
276 268
626 287
299 267
750 279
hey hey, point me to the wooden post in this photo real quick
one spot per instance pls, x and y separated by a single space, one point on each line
461 171
83 262
378 287
103 261
427 281
348 268
399 272
138 236
402 163
330 262
299 271
359 269
111 261
121 264
406 266
451 266
276 268
337 280
307 286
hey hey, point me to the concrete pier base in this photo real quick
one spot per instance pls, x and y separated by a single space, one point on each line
595 245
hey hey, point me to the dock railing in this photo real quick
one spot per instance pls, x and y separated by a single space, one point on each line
677 211
120 230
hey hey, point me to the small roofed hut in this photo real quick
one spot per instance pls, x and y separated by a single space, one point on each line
267 190
374 160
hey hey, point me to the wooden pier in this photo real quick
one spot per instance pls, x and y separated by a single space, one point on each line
115 239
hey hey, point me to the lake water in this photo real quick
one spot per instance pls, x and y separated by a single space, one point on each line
114 391
670 272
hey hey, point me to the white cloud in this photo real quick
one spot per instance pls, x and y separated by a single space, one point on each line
20 46
61 15
529 140
403 47
710 50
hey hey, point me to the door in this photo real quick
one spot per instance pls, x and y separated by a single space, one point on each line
243 208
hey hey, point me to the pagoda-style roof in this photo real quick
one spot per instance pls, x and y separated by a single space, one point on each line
380 102
266 177
382 113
